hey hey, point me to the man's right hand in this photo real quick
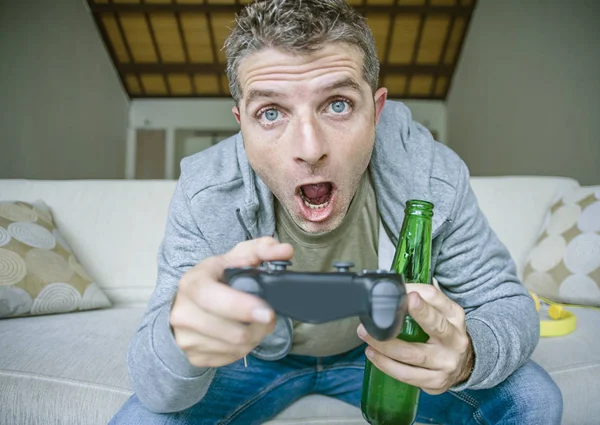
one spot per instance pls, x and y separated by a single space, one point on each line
215 324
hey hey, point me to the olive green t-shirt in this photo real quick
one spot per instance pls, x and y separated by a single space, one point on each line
355 240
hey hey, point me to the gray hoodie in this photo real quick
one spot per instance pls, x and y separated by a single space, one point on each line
219 201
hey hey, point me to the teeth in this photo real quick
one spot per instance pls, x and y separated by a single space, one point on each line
311 206
315 207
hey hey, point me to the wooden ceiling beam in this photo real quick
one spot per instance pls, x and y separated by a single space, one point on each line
186 50
388 38
430 9
439 69
128 49
213 47
156 48
416 47
443 53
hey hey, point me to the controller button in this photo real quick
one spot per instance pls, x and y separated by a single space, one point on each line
385 303
246 284
343 266
281 265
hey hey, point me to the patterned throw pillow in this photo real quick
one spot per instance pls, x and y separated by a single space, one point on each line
39 273
564 266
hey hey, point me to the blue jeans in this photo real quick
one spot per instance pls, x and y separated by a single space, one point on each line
253 395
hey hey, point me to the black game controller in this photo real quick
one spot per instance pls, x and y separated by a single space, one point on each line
377 297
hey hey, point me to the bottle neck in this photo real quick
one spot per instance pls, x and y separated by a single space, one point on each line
413 252
416 208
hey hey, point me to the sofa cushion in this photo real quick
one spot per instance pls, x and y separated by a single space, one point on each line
70 369
564 266
39 272
67 368
114 226
573 361
515 207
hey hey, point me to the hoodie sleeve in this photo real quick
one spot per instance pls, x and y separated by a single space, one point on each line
161 375
477 271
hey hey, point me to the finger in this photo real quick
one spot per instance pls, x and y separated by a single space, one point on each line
256 251
222 300
411 353
451 310
207 352
433 322
194 343
219 328
430 380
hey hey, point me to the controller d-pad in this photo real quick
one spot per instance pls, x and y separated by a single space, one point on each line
385 303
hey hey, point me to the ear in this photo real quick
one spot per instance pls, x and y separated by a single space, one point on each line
380 98
236 113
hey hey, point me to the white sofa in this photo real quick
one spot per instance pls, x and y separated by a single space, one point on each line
71 368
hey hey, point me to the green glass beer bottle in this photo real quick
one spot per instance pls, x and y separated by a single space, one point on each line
385 400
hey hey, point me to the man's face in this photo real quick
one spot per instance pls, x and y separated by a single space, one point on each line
308 123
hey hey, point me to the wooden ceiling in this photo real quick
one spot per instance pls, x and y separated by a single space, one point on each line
172 48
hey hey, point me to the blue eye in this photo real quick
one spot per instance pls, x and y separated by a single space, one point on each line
338 106
271 114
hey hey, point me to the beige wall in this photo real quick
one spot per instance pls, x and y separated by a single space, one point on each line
526 96
63 113
430 113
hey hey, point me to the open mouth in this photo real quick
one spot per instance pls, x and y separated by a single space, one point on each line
316 196
316 200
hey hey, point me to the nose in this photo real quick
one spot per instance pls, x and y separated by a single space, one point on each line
310 144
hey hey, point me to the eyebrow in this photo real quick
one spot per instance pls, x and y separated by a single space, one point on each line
345 83
270 94
256 94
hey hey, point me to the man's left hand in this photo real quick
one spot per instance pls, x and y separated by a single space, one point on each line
445 360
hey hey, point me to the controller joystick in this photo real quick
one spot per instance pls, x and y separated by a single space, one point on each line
281 265
343 266
378 297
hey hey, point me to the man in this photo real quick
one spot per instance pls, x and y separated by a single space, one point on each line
320 172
